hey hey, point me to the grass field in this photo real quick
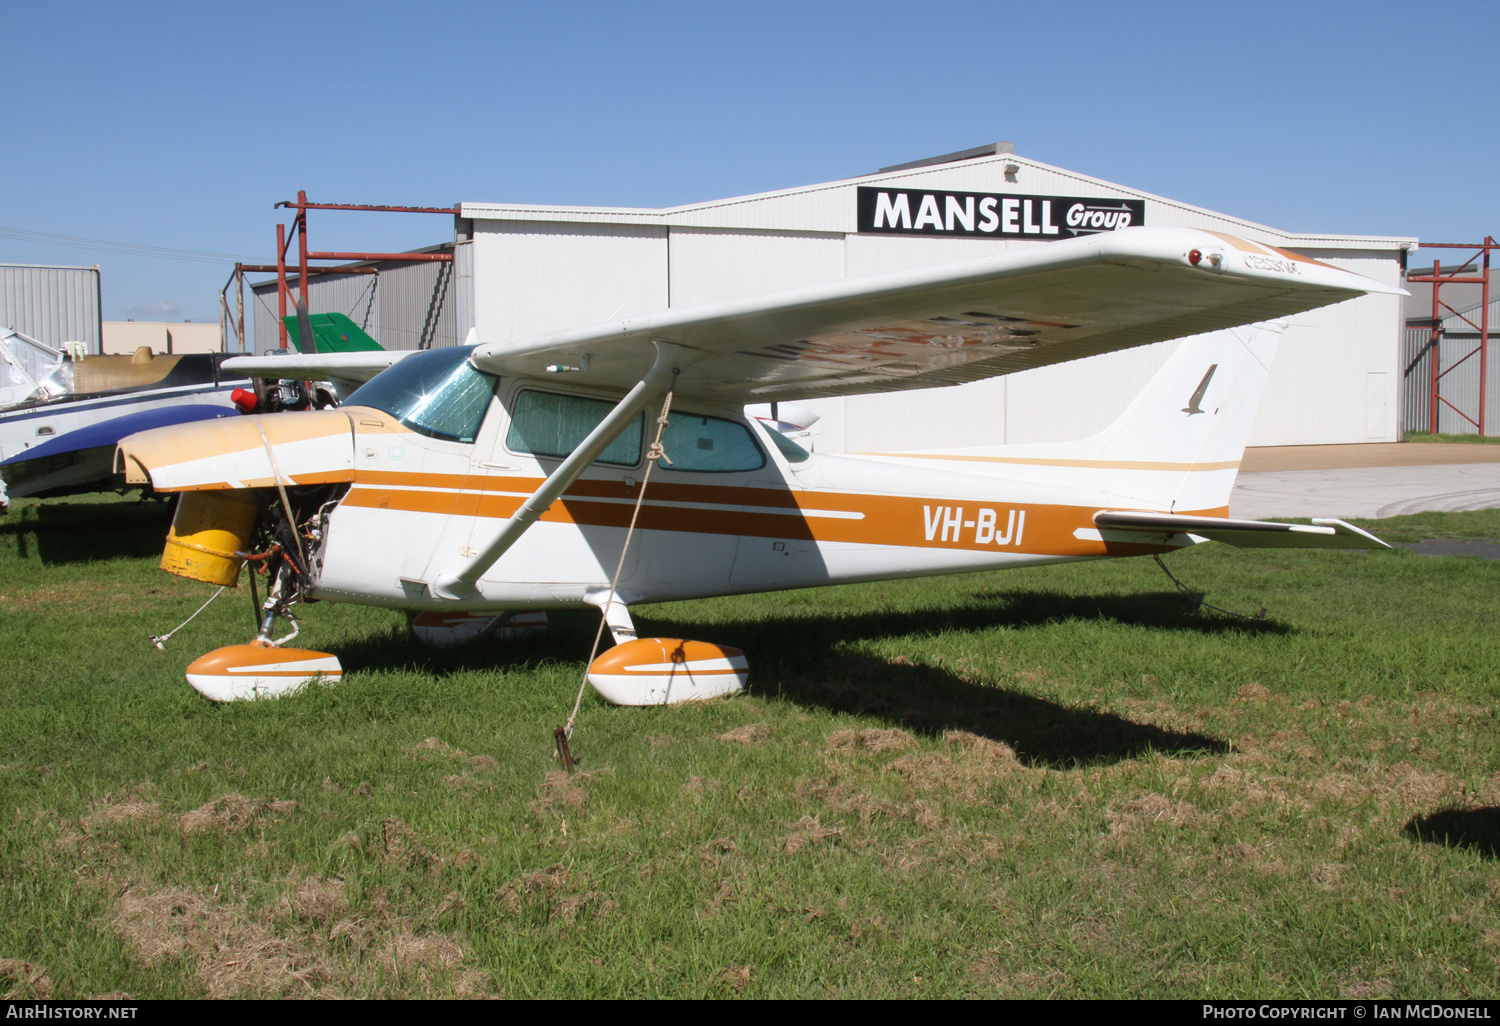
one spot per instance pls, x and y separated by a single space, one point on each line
1050 782
1428 436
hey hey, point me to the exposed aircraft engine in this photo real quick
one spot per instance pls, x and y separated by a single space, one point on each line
280 535
214 534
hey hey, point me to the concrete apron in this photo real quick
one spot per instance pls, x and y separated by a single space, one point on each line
1377 481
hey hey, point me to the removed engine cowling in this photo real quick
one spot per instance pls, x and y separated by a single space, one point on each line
210 535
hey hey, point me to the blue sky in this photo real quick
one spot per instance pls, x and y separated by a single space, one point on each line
180 124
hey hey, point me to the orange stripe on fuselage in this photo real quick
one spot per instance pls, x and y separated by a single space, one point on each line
1047 529
665 491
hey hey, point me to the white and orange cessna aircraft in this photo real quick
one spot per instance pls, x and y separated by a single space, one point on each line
473 482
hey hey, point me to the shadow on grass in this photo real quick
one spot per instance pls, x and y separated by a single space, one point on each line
59 532
927 700
1478 829
930 700
567 638
809 639
1163 610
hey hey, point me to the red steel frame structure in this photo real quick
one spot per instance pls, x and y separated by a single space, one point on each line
1462 274
299 230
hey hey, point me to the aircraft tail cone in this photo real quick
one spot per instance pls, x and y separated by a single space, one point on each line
238 672
665 671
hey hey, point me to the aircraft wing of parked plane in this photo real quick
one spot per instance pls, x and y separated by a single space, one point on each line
62 412
951 323
918 328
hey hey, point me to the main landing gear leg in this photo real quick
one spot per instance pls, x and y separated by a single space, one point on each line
658 671
616 615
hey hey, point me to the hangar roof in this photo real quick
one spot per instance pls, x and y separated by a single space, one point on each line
830 206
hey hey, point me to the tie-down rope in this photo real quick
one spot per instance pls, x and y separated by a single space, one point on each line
562 735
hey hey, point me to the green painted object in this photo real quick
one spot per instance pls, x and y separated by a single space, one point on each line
334 333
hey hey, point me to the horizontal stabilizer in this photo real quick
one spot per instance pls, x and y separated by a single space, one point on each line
1247 534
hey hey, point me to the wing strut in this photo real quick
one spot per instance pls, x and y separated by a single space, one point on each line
463 584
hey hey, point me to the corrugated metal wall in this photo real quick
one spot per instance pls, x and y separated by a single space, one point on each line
355 295
52 304
417 310
426 305
537 276
463 288
710 265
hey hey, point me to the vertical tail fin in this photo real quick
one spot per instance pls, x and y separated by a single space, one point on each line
1193 418
1175 449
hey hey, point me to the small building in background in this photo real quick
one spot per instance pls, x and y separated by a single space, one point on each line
162 337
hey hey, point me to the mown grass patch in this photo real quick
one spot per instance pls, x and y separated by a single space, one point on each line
1057 781
1477 524
1428 436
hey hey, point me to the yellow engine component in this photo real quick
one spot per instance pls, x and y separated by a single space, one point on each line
207 531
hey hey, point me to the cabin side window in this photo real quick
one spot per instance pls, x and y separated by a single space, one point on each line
709 445
550 424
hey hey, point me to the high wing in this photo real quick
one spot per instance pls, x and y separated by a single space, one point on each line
1245 534
347 371
951 323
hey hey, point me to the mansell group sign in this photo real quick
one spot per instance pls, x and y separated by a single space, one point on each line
992 215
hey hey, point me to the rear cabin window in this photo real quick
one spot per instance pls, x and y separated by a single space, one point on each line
549 424
709 445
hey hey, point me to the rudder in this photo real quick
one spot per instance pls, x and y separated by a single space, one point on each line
1194 415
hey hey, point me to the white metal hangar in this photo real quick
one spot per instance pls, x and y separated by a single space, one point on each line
521 270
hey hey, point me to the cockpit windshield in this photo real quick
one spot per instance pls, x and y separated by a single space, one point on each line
437 393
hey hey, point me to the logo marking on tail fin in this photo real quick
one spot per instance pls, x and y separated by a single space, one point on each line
1192 406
